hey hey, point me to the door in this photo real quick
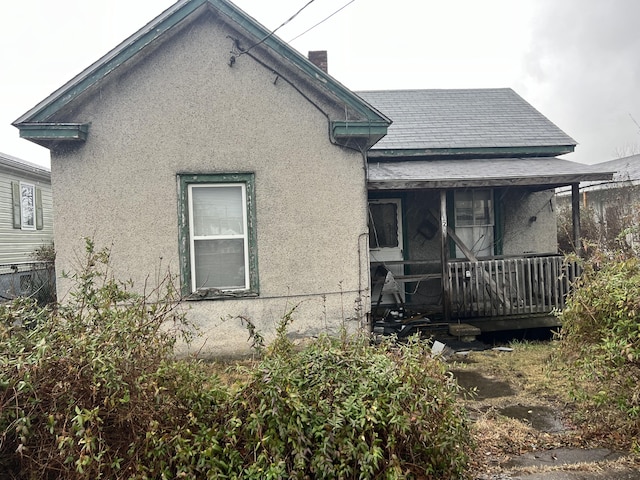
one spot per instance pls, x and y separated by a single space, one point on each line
385 245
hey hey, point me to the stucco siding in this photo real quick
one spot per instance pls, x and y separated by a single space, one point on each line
183 109
529 222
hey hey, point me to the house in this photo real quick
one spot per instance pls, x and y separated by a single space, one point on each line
206 147
611 206
26 224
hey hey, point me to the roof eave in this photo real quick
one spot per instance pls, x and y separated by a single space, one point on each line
48 134
476 152
24 168
154 29
366 133
550 181
109 62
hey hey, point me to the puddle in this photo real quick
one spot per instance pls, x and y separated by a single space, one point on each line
484 387
543 419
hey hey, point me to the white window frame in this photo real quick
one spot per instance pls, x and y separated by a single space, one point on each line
476 225
26 210
193 238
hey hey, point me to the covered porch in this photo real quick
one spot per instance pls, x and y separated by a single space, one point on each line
470 240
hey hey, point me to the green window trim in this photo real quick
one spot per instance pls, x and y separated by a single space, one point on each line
189 292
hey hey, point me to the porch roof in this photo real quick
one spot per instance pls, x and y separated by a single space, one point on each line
501 172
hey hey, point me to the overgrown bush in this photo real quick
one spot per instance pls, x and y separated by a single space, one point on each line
601 336
347 410
91 390
591 232
80 384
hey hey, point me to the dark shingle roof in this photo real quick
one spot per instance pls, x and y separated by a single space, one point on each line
450 119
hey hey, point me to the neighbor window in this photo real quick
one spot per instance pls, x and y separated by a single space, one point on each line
474 221
27 206
217 235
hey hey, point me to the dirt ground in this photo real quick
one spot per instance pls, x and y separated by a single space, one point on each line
524 421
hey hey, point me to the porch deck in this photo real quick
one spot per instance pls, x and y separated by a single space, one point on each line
499 287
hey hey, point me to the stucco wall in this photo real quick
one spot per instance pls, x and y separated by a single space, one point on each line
185 110
529 222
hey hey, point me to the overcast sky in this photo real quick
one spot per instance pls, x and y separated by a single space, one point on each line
577 61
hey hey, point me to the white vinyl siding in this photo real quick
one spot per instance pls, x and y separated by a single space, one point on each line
18 244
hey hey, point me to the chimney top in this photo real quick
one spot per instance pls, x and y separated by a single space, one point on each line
319 59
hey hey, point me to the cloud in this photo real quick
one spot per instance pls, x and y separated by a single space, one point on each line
585 62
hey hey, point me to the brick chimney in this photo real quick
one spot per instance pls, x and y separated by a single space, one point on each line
319 59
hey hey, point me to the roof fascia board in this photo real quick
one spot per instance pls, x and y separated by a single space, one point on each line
370 131
478 152
166 21
300 61
112 60
46 133
550 181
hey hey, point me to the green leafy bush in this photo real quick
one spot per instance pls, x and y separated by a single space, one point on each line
347 410
80 384
601 335
91 390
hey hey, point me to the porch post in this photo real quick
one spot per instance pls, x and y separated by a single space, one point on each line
446 310
575 213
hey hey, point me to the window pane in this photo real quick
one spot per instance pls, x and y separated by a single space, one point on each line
28 209
217 210
477 239
482 208
383 225
219 264
464 208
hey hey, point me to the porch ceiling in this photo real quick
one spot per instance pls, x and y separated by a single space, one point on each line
500 172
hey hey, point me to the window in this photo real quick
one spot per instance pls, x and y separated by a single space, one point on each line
383 224
27 206
474 221
218 245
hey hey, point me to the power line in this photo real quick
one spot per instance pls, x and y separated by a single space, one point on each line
321 21
282 25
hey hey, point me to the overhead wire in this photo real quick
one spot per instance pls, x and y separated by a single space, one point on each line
278 28
321 21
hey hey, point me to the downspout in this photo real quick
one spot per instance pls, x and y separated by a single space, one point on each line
363 251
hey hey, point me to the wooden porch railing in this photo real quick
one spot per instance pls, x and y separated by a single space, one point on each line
510 286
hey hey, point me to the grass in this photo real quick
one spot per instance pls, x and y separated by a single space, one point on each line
539 378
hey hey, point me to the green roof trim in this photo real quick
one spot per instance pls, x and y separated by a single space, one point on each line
475 152
47 133
167 20
371 132
108 63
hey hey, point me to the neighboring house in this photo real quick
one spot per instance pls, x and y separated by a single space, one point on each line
206 146
26 224
614 205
